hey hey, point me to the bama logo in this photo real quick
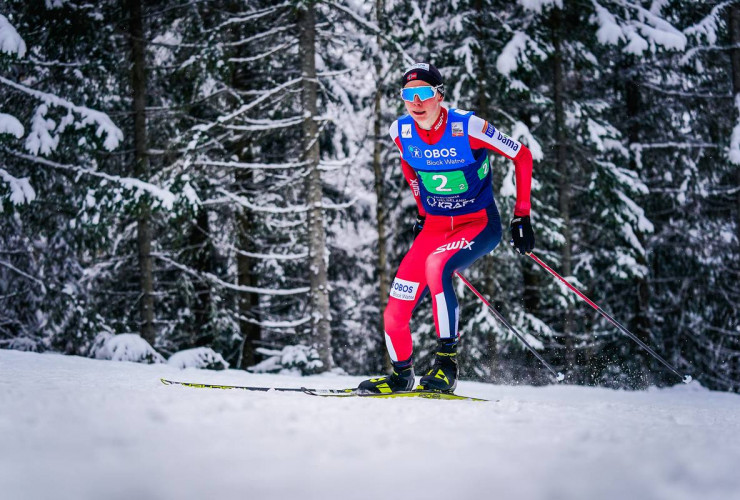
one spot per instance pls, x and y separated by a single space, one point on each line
404 290
508 141
462 244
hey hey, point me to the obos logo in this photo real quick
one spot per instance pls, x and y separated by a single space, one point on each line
404 290
415 151
440 153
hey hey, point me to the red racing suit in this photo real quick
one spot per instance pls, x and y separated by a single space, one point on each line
448 170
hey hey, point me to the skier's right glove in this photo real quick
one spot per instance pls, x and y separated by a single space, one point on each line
418 225
522 236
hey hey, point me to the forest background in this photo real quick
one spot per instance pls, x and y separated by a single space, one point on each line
218 173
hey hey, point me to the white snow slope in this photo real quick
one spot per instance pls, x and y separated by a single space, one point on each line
77 428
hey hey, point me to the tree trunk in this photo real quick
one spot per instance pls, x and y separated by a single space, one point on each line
320 312
642 297
382 262
488 264
141 170
563 169
202 259
248 302
733 22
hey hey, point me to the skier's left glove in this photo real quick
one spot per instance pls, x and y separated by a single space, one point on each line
418 225
522 236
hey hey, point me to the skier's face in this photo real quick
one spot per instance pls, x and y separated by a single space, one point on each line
423 112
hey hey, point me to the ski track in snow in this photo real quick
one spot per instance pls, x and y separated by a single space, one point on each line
78 428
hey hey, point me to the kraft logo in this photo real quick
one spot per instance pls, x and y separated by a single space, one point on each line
415 151
460 244
440 153
403 289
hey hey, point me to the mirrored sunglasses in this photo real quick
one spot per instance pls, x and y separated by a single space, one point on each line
423 93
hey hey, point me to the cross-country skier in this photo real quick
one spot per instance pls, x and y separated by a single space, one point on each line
444 156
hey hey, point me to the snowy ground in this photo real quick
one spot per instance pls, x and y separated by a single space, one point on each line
76 428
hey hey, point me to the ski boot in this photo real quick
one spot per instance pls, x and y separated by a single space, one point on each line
443 375
402 379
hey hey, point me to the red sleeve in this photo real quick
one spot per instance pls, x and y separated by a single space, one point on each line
523 174
522 169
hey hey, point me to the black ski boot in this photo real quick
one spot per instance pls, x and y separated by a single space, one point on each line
443 375
402 379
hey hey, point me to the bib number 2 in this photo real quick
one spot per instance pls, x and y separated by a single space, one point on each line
441 188
447 183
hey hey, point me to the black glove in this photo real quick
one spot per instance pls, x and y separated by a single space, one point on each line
418 225
522 236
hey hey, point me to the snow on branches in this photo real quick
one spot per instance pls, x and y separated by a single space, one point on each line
42 139
10 41
640 29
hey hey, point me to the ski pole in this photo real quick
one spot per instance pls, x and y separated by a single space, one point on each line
685 378
559 376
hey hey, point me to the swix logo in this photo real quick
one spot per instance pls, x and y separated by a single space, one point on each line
439 122
440 153
415 151
415 187
460 244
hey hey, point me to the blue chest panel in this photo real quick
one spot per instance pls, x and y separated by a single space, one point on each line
453 179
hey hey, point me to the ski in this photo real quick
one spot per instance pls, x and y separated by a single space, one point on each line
319 392
416 393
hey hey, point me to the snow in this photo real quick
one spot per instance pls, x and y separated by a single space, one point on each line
125 347
198 357
515 52
10 125
41 140
654 31
295 359
734 154
105 126
10 41
78 428
21 190
538 5
161 196
609 32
